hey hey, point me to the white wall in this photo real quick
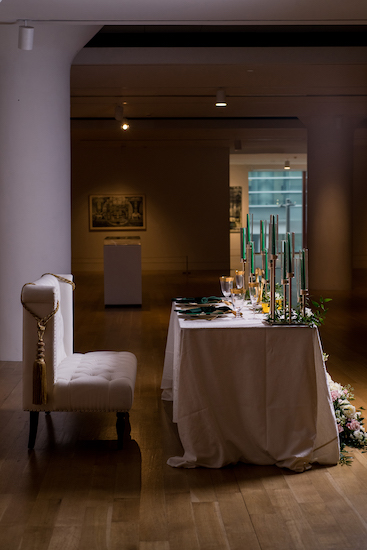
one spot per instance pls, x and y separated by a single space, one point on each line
34 166
187 203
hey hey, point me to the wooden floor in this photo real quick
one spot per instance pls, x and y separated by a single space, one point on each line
76 491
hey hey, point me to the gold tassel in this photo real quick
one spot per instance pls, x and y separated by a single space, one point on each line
39 370
39 382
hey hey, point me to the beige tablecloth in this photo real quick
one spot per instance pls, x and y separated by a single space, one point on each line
246 392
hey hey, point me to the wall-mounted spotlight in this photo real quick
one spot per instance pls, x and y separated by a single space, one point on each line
119 115
220 100
287 165
25 37
125 124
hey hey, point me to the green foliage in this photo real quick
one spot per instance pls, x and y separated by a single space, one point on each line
320 310
310 317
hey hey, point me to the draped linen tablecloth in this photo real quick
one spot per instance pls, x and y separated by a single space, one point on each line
246 392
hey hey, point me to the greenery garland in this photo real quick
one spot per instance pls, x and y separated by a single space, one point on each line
310 317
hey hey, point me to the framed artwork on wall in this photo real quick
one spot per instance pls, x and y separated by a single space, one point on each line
117 212
235 208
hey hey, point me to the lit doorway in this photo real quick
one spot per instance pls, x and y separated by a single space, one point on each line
260 186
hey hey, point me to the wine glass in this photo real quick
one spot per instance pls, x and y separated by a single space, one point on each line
238 299
254 292
240 278
226 284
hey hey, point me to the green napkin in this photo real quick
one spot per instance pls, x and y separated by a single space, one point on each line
200 300
207 310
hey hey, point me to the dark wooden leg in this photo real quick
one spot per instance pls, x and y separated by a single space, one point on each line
123 428
33 425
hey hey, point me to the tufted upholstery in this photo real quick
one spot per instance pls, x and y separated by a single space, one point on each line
94 381
81 383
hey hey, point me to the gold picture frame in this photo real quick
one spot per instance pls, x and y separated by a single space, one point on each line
117 212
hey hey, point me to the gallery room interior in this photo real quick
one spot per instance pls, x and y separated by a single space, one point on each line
235 437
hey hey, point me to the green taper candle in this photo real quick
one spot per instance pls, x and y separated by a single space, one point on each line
243 243
290 254
273 238
262 231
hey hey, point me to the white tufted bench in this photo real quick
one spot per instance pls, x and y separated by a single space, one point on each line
94 381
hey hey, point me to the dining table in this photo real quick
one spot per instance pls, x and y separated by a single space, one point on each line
247 391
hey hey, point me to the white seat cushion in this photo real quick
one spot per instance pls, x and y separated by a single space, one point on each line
95 381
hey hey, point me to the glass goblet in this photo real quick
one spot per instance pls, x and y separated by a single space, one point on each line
240 279
226 284
238 299
254 292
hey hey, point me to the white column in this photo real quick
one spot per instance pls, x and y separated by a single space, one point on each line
329 223
34 165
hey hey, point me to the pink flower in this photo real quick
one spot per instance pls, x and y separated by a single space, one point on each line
353 425
334 394
340 428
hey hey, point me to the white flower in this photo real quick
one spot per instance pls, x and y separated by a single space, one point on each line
334 386
358 435
348 409
308 312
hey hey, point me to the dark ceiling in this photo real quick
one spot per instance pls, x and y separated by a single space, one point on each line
118 36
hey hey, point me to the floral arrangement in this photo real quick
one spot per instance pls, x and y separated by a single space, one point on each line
350 421
352 433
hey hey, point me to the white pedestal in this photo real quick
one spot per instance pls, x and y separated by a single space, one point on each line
122 271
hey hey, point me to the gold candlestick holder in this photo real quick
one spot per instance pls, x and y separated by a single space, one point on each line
304 293
248 264
245 268
272 266
290 277
262 286
264 282
285 283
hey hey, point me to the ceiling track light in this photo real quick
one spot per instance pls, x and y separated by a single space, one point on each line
25 37
287 165
220 100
